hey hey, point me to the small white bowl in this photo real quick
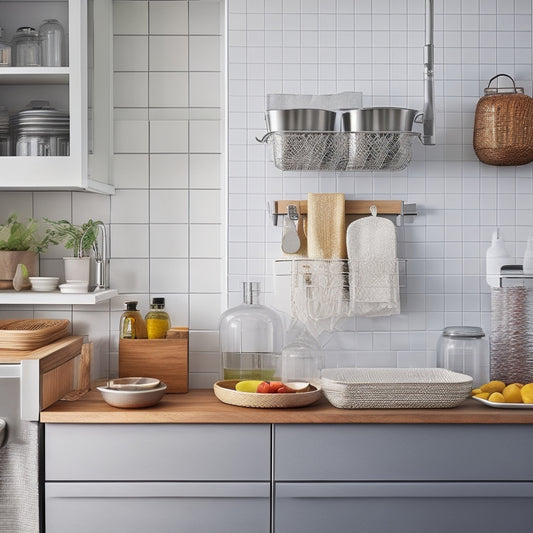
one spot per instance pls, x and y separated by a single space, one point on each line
134 384
74 287
43 284
127 399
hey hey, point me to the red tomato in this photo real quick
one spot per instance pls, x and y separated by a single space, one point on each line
285 389
263 387
275 385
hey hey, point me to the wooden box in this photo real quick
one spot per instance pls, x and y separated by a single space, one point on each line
164 359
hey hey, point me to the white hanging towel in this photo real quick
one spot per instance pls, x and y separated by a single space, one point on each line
373 263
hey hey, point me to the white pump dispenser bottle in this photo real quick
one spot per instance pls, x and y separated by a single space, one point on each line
497 256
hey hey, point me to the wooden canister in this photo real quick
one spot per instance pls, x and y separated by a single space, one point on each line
503 126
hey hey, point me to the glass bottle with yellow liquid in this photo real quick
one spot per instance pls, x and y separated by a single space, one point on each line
157 319
251 338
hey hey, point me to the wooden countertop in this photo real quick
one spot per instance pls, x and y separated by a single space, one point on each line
202 407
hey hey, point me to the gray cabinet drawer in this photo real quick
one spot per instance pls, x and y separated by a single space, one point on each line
402 507
409 452
157 452
159 507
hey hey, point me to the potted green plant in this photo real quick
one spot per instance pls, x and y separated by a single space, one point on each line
20 243
81 239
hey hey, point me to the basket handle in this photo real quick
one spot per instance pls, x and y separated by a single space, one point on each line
507 76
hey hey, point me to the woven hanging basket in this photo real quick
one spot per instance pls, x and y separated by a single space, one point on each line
503 126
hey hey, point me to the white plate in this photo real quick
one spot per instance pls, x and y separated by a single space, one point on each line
499 405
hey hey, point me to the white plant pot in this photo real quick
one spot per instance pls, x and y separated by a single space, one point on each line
77 268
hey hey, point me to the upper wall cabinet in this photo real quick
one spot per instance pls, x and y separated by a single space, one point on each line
80 88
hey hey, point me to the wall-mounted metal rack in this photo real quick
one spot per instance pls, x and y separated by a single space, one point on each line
359 150
354 209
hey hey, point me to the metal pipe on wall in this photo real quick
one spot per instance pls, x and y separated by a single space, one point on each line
428 135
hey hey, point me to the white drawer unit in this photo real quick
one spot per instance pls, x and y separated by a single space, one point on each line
157 477
402 452
402 507
162 507
157 452
285 478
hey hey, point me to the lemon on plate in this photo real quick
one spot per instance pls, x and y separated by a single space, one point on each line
511 393
248 385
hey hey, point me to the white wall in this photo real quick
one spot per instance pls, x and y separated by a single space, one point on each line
376 46
166 220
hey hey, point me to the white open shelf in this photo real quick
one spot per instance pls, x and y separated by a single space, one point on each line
55 297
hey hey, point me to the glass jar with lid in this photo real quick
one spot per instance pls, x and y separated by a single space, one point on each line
26 47
251 338
464 349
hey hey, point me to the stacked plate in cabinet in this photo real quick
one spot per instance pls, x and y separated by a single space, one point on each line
40 131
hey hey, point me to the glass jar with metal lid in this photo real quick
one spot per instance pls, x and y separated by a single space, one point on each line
464 349
26 47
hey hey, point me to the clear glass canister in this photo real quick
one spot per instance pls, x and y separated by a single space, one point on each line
464 349
26 47
52 36
251 338
302 358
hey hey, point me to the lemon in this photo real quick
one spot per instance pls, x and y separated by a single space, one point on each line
475 392
249 385
482 395
511 393
519 385
497 397
493 386
527 393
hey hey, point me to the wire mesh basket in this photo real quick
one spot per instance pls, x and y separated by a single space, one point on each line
311 150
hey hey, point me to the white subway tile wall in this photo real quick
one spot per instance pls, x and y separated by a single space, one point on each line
166 219
376 46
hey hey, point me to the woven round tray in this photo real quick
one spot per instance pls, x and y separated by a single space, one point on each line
225 392
30 334
394 388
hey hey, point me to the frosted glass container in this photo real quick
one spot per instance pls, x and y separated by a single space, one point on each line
302 358
251 338
464 349
52 37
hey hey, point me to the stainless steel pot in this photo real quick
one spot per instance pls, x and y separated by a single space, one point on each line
379 119
300 120
40 131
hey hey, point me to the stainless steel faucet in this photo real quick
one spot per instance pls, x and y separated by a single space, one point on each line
100 256
101 259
